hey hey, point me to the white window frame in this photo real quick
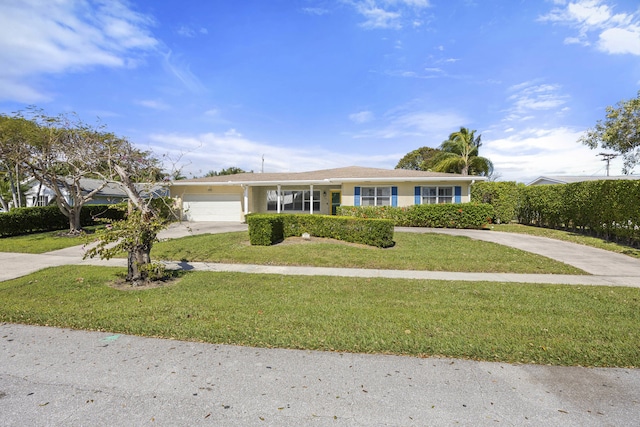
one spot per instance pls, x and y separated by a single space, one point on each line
294 194
378 198
439 197
42 200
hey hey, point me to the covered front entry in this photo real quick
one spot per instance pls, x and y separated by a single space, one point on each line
212 207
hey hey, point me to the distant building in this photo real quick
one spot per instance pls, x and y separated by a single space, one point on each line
567 179
42 195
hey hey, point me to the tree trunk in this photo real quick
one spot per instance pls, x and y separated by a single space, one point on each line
137 261
18 187
75 224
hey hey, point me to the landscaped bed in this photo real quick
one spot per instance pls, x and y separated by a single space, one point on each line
545 324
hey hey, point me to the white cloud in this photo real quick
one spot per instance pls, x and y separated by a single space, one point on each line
65 36
318 11
531 96
153 104
361 117
188 31
620 40
182 71
388 14
529 153
618 33
185 31
379 18
401 123
198 154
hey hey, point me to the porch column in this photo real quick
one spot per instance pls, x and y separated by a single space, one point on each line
279 198
311 199
246 199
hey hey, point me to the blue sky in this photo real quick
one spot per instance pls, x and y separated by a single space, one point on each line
314 84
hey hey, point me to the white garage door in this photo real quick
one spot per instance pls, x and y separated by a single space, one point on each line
212 207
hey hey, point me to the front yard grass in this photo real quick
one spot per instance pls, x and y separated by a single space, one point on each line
517 323
40 243
433 252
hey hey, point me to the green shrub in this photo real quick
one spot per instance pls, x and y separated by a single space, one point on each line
605 208
49 218
503 196
267 229
458 215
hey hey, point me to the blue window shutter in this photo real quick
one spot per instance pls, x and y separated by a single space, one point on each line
356 196
394 196
458 194
417 194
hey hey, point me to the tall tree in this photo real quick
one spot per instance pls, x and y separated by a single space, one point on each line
421 159
15 136
135 172
460 155
62 152
233 170
620 132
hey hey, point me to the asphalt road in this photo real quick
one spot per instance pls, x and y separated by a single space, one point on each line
60 377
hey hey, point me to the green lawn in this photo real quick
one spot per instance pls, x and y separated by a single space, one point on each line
40 243
544 324
434 252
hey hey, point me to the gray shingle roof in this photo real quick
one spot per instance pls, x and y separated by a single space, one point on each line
566 179
350 173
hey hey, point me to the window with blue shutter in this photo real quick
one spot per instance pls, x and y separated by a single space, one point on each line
394 196
458 193
356 196
417 195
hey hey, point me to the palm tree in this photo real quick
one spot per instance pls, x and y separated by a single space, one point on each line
460 155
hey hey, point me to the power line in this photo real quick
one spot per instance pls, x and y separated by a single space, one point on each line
607 157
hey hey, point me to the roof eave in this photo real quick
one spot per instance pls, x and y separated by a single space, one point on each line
329 181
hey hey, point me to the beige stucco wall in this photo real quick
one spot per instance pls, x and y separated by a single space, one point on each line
406 191
257 195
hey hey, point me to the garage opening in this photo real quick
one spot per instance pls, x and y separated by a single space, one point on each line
212 207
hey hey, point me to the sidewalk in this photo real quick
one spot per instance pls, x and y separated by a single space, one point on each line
62 377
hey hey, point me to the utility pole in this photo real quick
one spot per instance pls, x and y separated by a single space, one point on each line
607 157
262 169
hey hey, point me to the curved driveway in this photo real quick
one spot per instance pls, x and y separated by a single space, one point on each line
592 260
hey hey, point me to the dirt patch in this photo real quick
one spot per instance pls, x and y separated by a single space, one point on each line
123 285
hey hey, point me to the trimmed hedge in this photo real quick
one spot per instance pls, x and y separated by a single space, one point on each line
448 215
606 208
49 218
503 196
268 229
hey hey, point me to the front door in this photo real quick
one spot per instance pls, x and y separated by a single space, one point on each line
336 197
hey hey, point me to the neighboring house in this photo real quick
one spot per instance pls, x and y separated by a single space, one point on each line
569 179
42 195
231 197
